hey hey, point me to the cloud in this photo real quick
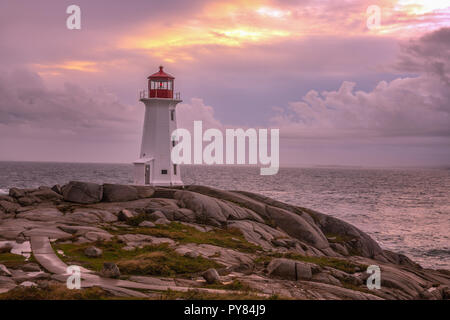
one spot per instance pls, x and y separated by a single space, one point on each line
404 107
196 110
429 54
29 109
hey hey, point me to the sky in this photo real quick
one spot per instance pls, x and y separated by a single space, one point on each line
341 90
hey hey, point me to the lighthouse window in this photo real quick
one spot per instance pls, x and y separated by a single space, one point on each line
173 143
172 115
174 169
163 171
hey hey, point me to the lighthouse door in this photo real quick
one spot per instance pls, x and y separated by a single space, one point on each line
147 174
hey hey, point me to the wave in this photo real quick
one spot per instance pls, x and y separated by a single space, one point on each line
4 191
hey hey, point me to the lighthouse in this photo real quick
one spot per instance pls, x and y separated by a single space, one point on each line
154 166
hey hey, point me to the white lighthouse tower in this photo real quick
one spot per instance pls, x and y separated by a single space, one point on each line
155 167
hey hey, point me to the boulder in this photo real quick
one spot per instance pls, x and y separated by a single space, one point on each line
93 252
125 214
28 201
110 270
162 221
57 188
211 276
9 207
82 192
191 254
17 193
46 194
289 269
119 193
157 215
146 224
145 191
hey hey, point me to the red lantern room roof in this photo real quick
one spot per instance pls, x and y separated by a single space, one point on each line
160 74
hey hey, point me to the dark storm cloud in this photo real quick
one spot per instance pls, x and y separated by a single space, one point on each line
428 54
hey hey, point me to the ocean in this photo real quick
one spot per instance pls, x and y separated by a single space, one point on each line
405 210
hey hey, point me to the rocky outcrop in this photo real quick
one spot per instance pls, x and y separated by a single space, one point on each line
82 192
272 247
93 252
110 270
290 269
211 276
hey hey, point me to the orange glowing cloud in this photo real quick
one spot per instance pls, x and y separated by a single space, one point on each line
83 66
242 22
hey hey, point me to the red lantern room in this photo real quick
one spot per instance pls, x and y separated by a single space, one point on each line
160 85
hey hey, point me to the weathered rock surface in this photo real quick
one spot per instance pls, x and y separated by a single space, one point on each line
9 207
211 276
147 224
82 192
119 193
290 269
110 270
89 213
4 272
93 252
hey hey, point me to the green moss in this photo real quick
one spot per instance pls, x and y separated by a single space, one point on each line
201 295
11 259
336 263
55 292
137 220
227 238
158 260
165 263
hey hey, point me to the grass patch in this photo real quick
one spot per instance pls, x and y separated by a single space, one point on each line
335 263
138 219
158 260
164 263
227 238
201 295
11 259
55 292
236 285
